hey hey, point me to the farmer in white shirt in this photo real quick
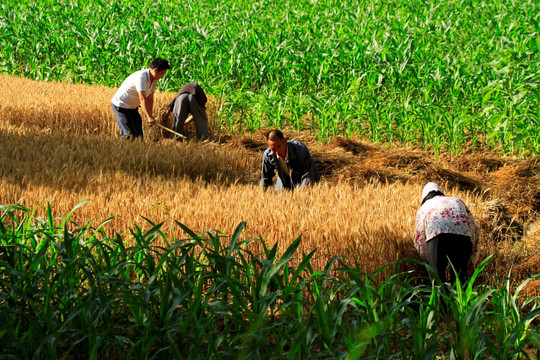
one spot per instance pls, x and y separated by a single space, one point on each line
445 231
137 90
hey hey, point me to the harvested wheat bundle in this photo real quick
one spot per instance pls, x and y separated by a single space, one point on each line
500 224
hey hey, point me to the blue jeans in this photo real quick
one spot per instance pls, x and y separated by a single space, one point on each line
129 122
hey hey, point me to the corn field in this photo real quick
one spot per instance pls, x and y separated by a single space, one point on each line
445 75
80 293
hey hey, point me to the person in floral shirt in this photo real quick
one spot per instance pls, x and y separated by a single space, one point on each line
445 231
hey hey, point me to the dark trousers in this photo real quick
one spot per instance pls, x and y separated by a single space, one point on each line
129 122
185 104
450 247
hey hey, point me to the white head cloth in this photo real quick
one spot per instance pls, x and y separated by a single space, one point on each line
430 186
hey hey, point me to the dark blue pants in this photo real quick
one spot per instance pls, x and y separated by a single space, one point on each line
129 122
450 247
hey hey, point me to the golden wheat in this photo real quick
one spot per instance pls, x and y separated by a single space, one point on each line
60 145
203 187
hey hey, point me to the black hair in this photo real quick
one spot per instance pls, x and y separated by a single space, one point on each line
431 195
273 134
160 64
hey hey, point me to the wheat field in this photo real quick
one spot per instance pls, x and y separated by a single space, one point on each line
60 145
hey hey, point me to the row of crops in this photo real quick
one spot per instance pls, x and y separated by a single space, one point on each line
70 291
445 74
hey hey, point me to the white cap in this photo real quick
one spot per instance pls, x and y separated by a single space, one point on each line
430 186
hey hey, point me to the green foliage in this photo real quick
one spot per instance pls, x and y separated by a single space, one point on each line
445 74
69 291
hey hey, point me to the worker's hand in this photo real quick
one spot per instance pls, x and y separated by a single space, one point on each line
188 120
151 121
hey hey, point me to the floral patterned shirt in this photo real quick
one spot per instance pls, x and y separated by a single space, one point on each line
444 215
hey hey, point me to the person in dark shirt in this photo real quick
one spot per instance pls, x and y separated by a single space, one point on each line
292 160
190 99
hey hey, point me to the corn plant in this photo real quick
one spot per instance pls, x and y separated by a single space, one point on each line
68 290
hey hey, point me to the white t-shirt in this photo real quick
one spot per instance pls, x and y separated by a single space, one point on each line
127 96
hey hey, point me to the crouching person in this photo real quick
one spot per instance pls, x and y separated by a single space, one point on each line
292 160
445 232
190 99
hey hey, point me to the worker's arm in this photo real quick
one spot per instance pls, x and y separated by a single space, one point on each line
268 170
147 105
420 235
302 165
306 168
170 106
